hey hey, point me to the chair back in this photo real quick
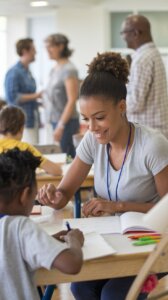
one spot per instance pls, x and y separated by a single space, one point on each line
157 262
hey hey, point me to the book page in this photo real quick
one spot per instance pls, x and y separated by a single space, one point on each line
95 246
133 221
157 217
102 225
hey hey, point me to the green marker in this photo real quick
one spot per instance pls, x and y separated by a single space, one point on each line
143 243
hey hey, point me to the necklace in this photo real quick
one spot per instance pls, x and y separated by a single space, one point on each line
108 165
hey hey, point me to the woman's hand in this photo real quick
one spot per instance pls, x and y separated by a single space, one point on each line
50 196
98 207
58 132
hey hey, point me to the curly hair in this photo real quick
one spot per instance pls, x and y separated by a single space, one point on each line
108 75
17 171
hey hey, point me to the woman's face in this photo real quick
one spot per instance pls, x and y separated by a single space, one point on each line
104 118
54 51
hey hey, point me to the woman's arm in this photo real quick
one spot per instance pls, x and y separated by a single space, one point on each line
72 90
59 197
97 207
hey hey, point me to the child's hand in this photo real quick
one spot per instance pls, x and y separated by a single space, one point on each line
74 234
60 235
50 196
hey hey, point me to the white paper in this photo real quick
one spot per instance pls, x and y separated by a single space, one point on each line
157 217
101 225
95 246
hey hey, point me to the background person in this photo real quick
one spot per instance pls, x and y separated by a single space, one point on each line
62 93
25 247
20 89
12 120
122 182
147 99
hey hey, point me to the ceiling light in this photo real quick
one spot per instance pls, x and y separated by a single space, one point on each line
39 3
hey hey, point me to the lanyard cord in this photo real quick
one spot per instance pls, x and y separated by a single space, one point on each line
108 165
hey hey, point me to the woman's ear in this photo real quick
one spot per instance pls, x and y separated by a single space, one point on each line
122 106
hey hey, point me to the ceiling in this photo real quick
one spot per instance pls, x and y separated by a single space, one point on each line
23 6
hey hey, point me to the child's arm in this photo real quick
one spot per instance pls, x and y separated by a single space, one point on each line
70 260
51 168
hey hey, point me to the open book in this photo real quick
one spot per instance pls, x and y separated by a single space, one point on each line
127 222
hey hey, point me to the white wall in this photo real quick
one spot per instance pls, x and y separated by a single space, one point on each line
16 29
87 30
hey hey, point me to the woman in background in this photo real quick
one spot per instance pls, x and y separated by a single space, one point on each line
62 92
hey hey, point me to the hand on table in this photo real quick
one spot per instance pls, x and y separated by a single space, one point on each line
97 207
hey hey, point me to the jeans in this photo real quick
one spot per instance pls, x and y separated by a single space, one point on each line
66 142
108 289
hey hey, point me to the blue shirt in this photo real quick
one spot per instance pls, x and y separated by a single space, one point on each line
19 81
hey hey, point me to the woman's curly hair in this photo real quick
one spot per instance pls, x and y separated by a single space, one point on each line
110 62
107 77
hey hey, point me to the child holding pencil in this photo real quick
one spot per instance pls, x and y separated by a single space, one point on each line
24 246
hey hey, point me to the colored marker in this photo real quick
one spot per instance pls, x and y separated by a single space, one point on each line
68 225
147 238
143 243
137 236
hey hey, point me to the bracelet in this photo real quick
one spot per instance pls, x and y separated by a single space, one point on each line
61 124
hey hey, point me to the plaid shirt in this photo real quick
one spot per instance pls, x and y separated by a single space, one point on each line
147 99
19 81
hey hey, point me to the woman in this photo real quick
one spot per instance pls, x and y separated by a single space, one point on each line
12 120
130 162
62 92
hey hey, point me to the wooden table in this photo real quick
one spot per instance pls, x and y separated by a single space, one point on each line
88 183
126 262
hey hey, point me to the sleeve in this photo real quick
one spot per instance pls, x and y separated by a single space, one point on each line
69 73
12 87
35 152
37 247
157 154
141 75
85 151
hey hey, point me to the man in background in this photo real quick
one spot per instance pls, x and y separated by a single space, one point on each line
20 88
147 99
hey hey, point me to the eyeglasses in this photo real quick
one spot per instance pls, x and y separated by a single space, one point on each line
126 31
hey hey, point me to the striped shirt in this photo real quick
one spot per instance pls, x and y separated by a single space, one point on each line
147 99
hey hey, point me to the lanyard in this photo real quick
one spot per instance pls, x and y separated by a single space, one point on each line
108 165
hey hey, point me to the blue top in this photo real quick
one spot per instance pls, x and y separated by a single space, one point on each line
19 81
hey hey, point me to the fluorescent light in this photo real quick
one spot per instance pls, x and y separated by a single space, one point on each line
39 3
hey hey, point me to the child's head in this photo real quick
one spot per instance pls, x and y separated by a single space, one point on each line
12 120
17 181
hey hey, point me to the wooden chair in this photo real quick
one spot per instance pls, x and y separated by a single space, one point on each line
48 149
154 264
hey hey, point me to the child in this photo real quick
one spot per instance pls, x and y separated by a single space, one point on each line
24 247
12 120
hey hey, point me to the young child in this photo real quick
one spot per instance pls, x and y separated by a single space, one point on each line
25 247
12 120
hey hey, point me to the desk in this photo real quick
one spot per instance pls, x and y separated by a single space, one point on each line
126 262
44 178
